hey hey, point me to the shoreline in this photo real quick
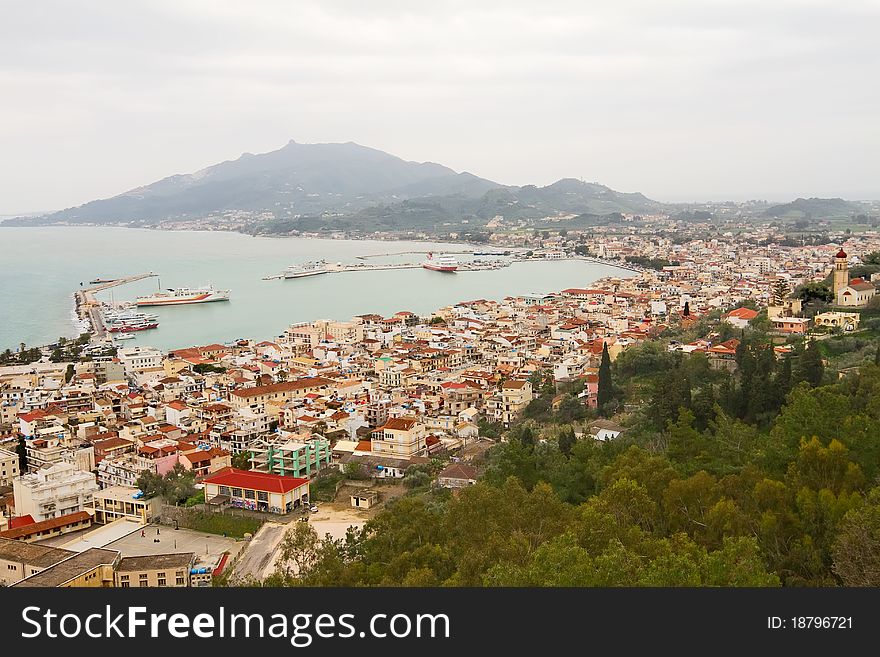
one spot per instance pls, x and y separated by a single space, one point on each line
79 319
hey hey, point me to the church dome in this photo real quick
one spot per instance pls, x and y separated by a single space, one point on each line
841 254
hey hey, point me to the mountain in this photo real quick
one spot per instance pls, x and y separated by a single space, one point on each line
367 188
294 180
813 208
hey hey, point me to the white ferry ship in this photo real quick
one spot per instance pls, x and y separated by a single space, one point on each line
183 295
306 269
442 262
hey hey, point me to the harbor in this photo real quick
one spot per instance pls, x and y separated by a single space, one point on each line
88 308
256 307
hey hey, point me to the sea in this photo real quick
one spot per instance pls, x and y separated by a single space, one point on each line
41 268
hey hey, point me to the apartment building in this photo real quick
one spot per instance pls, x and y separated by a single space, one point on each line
8 467
401 437
126 502
278 392
53 491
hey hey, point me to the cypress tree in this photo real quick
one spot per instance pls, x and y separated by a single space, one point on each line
809 366
21 449
606 386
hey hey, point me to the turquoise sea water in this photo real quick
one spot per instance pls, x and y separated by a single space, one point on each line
41 268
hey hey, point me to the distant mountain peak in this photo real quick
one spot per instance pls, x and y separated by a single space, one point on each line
339 179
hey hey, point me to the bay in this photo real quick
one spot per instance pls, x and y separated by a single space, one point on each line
41 268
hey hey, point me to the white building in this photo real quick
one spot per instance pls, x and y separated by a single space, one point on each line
54 491
137 359
8 467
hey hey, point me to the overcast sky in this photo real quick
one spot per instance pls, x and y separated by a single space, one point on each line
679 99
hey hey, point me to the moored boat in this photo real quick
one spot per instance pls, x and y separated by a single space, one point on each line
306 269
183 295
444 263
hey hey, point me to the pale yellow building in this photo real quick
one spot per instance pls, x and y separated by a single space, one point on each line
155 570
8 467
401 437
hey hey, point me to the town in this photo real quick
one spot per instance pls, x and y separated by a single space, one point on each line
128 466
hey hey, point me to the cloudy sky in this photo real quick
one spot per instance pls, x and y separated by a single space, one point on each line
679 99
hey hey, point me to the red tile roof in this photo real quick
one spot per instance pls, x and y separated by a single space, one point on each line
21 521
235 478
743 313
400 424
51 523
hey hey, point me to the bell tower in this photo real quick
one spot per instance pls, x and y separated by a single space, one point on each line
841 272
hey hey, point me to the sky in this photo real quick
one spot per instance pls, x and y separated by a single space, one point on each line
683 100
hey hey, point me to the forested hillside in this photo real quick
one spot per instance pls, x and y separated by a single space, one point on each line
765 477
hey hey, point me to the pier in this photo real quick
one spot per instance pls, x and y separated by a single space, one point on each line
339 268
397 253
88 308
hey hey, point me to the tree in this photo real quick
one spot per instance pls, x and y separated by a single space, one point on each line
809 366
175 487
68 373
856 551
150 484
567 440
21 450
570 410
605 392
686 312
813 292
672 392
779 292
299 549
242 460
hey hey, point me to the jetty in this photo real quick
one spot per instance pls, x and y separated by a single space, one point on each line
398 253
339 268
88 308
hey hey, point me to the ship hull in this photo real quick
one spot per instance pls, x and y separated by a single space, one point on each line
304 274
444 268
179 301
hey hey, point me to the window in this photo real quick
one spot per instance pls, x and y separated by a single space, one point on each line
161 581
180 581
236 492
250 495
262 496
224 490
124 585
124 578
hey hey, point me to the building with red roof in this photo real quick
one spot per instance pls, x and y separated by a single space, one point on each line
259 491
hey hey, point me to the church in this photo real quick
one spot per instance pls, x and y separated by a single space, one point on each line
852 293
